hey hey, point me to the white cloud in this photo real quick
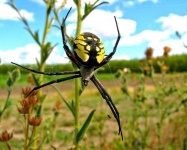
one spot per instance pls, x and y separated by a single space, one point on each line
58 3
121 57
56 57
102 23
176 46
174 23
142 1
70 3
170 24
128 3
28 54
29 16
143 37
3 1
158 39
7 13
21 55
184 39
38 1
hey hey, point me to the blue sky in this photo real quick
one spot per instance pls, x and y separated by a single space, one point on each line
142 23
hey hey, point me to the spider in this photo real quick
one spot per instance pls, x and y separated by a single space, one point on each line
88 55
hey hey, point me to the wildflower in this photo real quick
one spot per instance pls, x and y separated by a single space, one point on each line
149 53
29 102
158 58
23 110
25 92
126 70
165 68
5 136
35 121
30 79
58 105
167 49
142 60
147 69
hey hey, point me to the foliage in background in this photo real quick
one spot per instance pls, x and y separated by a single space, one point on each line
155 103
12 79
176 63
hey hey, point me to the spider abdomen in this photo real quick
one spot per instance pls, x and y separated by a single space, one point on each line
88 49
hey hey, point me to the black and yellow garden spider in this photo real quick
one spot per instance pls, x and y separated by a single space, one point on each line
88 56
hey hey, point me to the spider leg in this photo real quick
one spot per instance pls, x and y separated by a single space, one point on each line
66 48
47 73
51 82
108 57
109 101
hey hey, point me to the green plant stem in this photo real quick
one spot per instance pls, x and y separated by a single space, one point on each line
26 131
41 68
8 146
6 103
79 18
77 83
46 28
77 108
32 133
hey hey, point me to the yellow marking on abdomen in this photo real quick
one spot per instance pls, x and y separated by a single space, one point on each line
80 42
80 37
83 56
100 56
88 47
89 38
80 47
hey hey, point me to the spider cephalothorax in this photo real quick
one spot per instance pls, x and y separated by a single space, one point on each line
88 56
89 51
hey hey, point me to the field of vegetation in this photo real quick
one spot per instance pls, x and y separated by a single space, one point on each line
150 95
152 109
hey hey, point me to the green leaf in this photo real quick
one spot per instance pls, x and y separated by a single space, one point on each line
83 129
36 36
88 8
37 62
35 80
99 4
76 2
47 49
9 82
16 75
13 77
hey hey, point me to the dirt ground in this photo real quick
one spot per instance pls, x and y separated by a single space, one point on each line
65 86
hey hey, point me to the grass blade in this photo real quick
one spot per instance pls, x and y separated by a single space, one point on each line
84 126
